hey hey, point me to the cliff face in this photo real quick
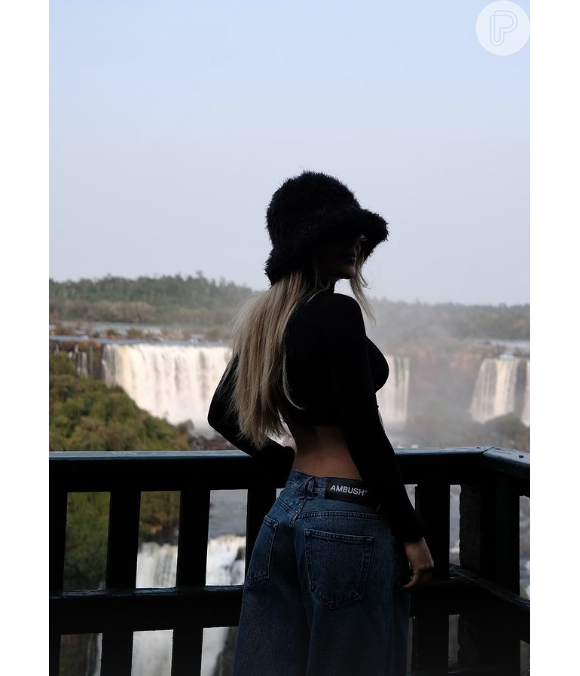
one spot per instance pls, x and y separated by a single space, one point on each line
445 377
87 355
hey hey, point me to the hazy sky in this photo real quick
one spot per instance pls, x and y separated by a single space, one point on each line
173 122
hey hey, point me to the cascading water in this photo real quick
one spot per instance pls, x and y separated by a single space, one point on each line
83 366
392 398
156 567
177 382
502 386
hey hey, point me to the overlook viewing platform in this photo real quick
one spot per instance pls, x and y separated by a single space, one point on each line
483 589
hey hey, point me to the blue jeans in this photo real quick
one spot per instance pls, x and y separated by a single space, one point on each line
322 594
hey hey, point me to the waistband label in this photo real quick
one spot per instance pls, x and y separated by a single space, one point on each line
350 490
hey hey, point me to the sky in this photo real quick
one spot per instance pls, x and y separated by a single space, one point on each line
172 124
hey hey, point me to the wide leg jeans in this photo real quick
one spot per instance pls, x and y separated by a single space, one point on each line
322 595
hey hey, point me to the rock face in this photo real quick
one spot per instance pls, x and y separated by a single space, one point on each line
18 428
443 376
87 354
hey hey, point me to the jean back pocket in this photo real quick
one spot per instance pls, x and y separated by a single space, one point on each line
338 565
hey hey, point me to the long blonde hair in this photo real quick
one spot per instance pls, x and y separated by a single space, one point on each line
258 329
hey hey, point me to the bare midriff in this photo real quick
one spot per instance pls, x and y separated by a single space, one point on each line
321 450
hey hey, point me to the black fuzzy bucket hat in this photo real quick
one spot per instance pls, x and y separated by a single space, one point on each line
311 208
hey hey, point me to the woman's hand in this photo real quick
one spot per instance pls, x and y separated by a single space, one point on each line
420 561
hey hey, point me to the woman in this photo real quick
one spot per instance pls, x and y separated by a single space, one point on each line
327 588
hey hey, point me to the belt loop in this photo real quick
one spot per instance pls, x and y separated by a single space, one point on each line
310 488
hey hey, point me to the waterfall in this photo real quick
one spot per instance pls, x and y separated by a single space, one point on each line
175 382
156 567
502 387
80 358
393 396
83 364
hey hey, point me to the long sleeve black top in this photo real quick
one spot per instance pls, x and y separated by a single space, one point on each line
334 371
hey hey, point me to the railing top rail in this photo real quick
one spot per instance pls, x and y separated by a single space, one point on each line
69 457
226 469
527 465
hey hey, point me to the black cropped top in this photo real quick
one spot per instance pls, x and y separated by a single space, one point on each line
309 374
334 371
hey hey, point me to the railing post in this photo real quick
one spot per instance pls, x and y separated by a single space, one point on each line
432 504
475 530
57 510
484 512
507 560
122 546
191 570
431 632
507 522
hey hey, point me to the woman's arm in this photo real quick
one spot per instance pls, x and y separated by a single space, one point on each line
227 424
342 324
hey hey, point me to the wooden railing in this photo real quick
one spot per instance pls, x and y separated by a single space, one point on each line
483 589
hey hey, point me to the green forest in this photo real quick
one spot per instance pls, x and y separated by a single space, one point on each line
206 305
191 301
86 415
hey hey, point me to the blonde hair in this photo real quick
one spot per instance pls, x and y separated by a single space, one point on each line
261 390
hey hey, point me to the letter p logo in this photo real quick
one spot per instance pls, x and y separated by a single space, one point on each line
503 28
500 23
